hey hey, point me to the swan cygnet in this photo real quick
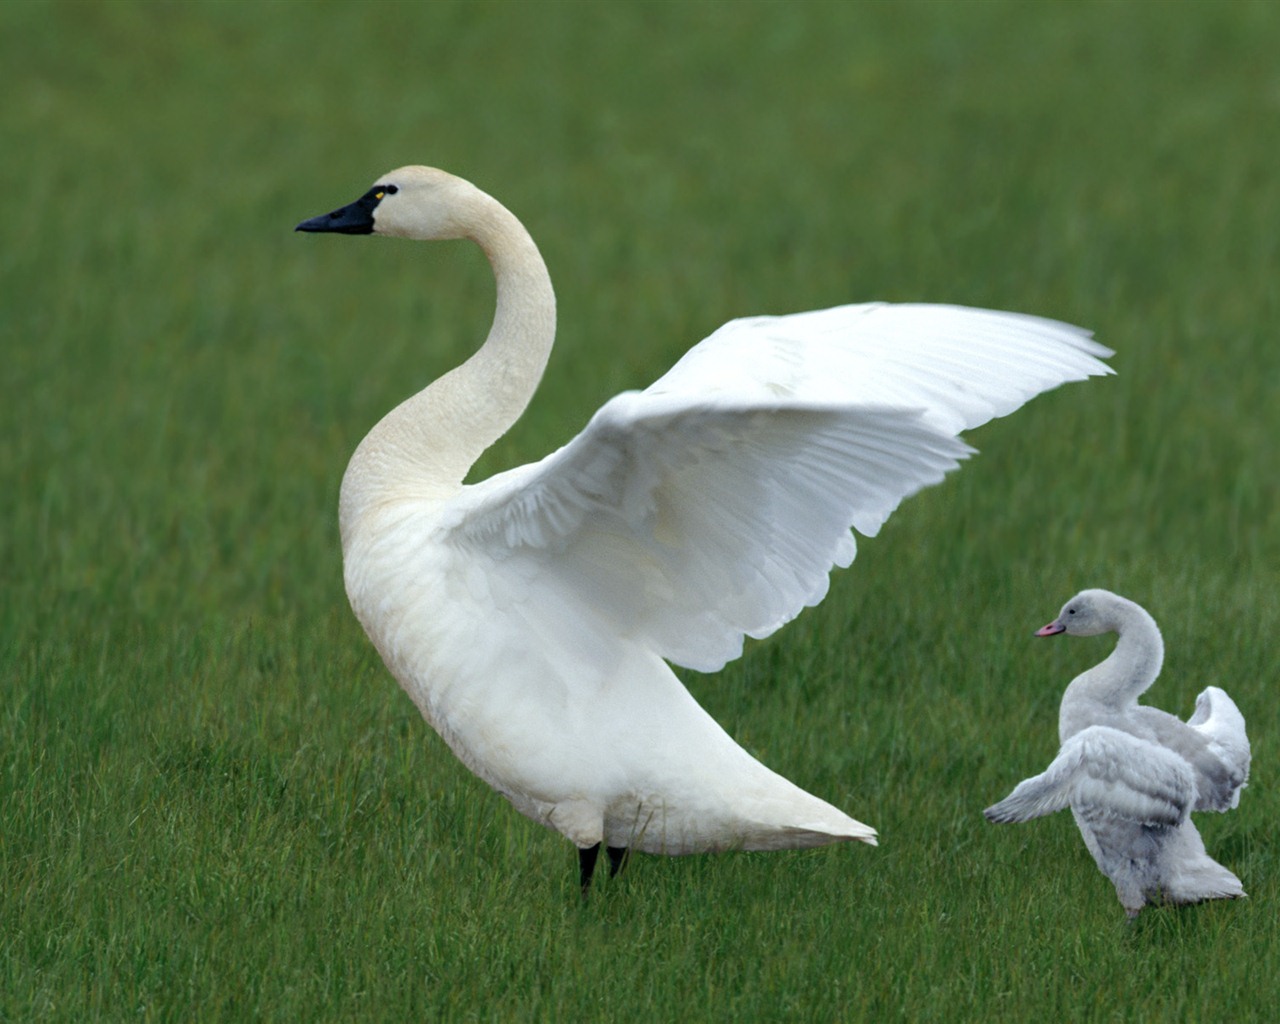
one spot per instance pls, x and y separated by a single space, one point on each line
1132 774
531 616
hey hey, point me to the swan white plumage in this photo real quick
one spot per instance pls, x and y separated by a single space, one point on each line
1132 774
530 616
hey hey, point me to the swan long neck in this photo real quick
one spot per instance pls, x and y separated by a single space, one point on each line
424 447
1116 682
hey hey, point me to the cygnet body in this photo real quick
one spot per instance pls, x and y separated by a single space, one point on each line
1132 774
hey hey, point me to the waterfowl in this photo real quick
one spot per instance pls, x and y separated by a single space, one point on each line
1132 774
531 616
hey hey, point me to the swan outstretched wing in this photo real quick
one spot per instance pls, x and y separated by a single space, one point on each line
1105 772
714 504
960 366
689 525
1212 741
1219 720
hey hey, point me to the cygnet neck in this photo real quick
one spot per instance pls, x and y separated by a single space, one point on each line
1116 682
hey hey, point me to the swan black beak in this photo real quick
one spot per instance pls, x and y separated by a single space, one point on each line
353 219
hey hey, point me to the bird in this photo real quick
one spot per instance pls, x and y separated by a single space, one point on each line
1131 773
533 617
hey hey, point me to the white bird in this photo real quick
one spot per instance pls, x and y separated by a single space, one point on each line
531 616
1132 774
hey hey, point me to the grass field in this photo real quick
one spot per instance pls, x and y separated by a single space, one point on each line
216 805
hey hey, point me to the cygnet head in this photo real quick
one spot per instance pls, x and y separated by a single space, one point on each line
1089 613
412 202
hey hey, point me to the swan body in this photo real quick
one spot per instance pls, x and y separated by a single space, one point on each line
531 616
1132 774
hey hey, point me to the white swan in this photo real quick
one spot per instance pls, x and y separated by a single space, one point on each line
530 616
1132 774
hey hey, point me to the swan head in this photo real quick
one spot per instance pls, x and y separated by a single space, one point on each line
412 202
1089 613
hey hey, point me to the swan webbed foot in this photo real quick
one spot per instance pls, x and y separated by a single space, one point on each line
617 860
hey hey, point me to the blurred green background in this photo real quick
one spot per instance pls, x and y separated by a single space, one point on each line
215 804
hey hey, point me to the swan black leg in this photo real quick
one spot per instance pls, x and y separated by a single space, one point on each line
587 865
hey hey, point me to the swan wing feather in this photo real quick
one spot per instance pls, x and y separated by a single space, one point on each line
691 525
962 366
713 505
1108 773
1219 720
1213 742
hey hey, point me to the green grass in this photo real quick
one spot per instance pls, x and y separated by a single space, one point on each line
216 805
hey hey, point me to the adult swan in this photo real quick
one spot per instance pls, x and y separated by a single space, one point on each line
530 617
